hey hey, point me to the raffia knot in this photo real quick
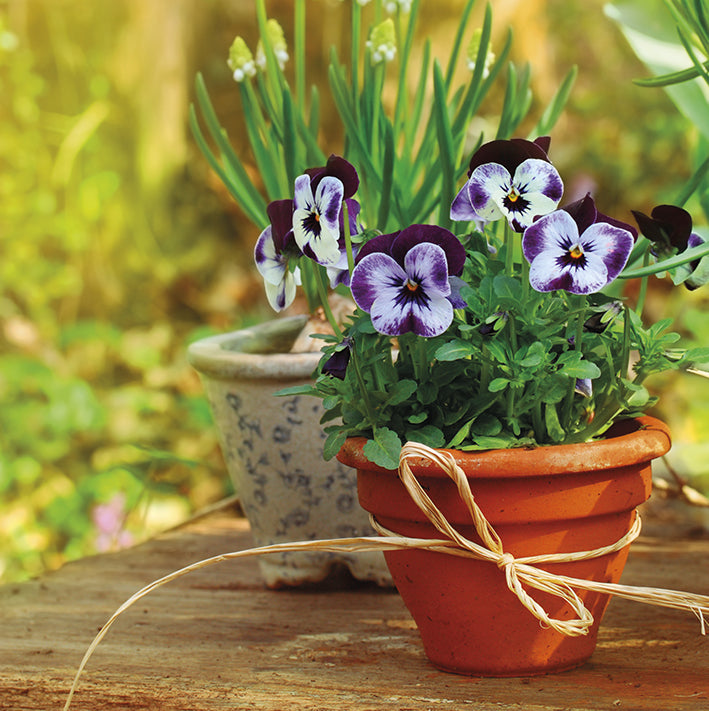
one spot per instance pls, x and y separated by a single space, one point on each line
506 560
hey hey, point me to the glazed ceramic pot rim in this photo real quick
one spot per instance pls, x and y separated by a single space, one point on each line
629 442
241 354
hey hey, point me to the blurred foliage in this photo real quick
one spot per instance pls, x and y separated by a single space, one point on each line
119 246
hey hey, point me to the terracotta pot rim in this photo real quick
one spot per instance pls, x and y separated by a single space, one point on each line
238 355
631 441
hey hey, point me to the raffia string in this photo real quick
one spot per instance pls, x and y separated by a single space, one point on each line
518 571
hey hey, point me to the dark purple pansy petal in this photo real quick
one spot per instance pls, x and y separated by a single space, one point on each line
336 167
336 364
280 215
668 228
585 214
380 243
510 153
418 234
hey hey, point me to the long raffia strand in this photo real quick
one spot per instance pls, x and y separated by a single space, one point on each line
519 572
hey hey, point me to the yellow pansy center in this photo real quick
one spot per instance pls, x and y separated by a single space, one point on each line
576 252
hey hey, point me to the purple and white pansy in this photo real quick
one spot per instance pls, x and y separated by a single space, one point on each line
274 248
404 280
318 217
576 249
513 179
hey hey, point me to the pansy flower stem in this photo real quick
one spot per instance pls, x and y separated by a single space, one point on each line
354 360
625 353
307 272
577 307
509 250
322 293
348 236
642 293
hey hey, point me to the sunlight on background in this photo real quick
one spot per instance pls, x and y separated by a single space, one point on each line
119 246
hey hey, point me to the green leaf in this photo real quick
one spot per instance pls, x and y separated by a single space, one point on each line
401 391
446 166
556 105
333 443
487 425
498 384
428 435
455 350
417 418
384 449
534 357
427 393
551 420
507 287
297 390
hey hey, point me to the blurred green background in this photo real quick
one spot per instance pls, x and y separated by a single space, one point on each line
119 246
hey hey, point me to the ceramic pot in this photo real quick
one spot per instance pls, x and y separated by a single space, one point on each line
273 451
553 499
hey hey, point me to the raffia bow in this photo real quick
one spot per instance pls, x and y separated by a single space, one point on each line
518 571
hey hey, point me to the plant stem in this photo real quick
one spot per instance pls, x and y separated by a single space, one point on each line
578 336
643 287
322 293
509 250
348 236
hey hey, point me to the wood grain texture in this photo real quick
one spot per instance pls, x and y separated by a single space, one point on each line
218 639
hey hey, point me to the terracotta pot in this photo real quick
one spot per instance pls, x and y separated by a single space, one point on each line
273 451
553 499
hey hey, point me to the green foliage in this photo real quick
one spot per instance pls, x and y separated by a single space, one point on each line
514 385
402 141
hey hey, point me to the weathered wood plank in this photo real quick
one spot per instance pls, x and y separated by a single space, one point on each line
217 639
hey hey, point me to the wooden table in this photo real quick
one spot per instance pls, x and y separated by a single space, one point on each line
217 639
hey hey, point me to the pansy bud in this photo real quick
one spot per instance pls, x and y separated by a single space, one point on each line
336 364
494 323
472 55
382 43
584 387
277 40
603 318
241 61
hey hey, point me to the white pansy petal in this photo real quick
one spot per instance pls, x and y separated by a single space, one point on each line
553 232
487 187
612 244
376 272
328 200
545 275
303 197
390 314
538 176
589 278
432 317
280 296
426 264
